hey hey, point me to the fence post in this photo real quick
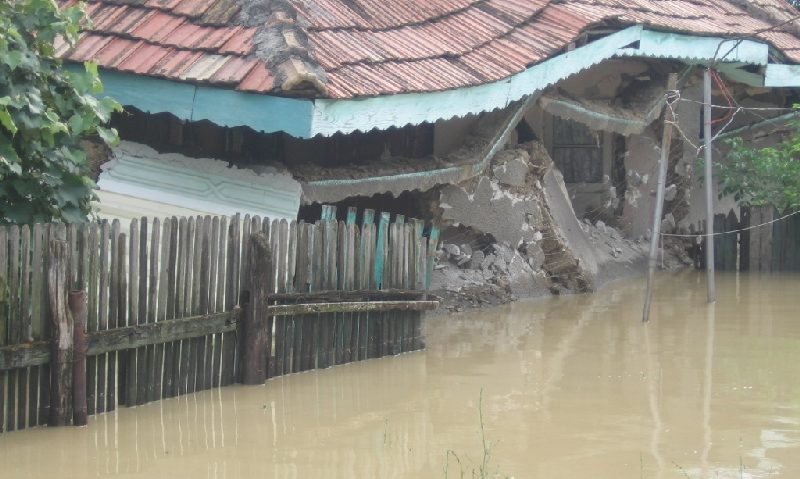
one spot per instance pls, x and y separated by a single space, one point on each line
254 322
61 327
77 307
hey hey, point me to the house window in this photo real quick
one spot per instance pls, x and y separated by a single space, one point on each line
577 151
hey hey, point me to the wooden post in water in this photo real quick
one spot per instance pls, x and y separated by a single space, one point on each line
708 186
666 143
254 341
62 335
77 307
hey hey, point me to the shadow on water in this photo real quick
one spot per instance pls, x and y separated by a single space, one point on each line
573 387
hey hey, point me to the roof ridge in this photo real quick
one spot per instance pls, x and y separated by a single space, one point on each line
281 43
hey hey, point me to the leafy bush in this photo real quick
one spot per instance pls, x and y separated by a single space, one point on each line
763 176
45 110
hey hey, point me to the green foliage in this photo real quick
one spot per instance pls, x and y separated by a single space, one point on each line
762 176
45 110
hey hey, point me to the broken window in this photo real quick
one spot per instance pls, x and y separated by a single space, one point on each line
577 151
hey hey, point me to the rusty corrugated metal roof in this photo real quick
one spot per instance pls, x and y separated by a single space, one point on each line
353 48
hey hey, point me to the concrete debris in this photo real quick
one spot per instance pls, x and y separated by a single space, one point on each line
512 170
531 241
668 223
671 192
508 216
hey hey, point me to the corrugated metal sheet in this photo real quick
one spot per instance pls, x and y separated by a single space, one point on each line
375 47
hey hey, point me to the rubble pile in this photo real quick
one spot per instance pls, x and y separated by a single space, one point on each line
514 234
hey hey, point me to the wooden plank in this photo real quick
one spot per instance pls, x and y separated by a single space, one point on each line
324 337
24 322
215 352
340 343
354 307
306 252
171 349
229 340
102 314
162 291
24 355
132 366
417 342
297 321
37 283
186 346
363 274
254 347
4 318
204 361
153 367
143 366
61 340
122 310
358 319
298 246
149 334
93 304
14 319
77 308
4 299
351 323
113 316
195 344
279 328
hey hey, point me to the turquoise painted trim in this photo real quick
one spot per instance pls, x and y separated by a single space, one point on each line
782 76
680 46
352 213
260 112
304 118
380 250
223 107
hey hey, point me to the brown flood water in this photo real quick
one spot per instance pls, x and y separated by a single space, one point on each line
573 387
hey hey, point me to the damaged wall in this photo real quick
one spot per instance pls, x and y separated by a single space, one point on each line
522 203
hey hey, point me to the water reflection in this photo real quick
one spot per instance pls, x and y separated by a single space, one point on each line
573 387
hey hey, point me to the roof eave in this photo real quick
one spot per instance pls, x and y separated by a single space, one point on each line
306 118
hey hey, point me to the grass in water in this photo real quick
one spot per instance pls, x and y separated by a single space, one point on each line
483 469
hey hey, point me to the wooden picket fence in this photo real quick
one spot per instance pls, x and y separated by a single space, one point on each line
762 240
165 302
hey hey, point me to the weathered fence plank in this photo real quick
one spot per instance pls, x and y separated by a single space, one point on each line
62 335
254 327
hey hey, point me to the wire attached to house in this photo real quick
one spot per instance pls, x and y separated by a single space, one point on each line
703 235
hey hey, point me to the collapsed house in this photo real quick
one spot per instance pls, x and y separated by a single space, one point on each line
529 130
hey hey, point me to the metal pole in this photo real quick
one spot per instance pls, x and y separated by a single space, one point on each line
708 186
663 161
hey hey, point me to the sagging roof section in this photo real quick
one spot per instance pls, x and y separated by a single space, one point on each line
340 49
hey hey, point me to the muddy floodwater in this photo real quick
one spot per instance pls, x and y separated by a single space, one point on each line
573 387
